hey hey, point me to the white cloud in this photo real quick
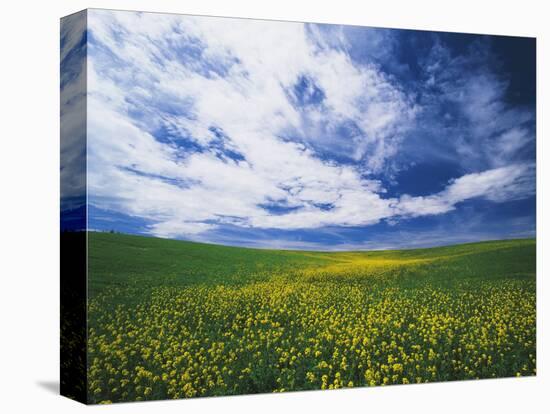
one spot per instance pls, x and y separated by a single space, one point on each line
176 228
513 182
73 112
189 75
487 129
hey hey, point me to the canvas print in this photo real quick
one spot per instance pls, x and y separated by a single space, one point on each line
253 206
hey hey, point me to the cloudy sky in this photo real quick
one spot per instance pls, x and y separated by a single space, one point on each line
292 135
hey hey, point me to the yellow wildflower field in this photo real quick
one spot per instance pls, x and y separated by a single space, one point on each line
216 320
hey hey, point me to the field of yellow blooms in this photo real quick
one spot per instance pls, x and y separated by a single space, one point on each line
170 319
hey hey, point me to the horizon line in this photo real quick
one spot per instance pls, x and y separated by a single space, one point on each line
366 250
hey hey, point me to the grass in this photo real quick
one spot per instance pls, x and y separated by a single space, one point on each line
172 319
120 259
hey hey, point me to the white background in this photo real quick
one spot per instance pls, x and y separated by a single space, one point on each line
29 192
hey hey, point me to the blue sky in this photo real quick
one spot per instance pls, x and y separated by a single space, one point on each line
307 136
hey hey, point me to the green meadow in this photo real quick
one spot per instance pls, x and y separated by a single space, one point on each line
175 319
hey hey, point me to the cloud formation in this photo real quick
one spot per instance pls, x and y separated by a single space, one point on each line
73 112
198 123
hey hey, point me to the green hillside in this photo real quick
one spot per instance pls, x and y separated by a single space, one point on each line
120 259
172 319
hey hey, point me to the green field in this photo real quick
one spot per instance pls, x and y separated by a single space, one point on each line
173 319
